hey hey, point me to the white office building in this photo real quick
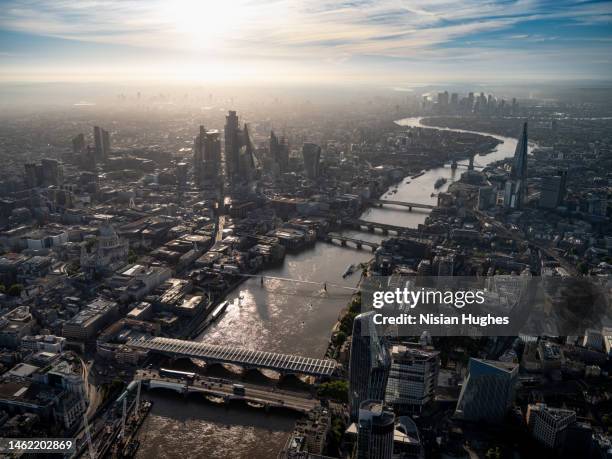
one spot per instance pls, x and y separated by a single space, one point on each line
412 378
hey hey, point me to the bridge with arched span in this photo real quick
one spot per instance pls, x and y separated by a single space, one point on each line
410 205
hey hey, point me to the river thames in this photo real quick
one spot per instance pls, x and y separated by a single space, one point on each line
281 316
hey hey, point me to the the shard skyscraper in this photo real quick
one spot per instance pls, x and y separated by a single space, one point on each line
516 187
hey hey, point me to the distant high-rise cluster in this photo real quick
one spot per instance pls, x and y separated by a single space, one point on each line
48 172
472 103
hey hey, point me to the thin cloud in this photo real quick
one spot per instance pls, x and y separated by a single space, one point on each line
332 32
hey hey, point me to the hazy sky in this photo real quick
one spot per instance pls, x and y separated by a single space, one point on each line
384 41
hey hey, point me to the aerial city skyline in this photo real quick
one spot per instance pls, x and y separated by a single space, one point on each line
298 230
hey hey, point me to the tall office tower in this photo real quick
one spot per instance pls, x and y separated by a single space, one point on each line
482 102
212 156
274 148
232 143
548 425
488 390
412 378
206 156
78 144
443 101
454 99
470 102
198 157
212 148
52 172
283 155
31 175
279 151
516 188
552 192
369 364
375 431
107 143
245 139
102 143
181 180
90 158
98 142
312 156
246 164
181 175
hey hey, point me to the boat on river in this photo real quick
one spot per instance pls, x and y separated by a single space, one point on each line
440 182
349 270
218 311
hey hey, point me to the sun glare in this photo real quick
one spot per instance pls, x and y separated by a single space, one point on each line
205 24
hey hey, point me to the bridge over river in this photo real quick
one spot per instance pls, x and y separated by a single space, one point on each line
245 358
410 205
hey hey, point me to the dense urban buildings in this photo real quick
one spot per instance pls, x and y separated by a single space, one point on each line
199 236
207 210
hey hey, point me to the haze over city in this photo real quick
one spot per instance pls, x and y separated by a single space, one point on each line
257 229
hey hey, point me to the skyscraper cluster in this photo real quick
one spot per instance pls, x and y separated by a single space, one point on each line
238 149
472 103
48 172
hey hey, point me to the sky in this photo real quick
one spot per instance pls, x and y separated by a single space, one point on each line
391 42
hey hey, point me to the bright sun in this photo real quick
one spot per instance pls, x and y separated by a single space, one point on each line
205 24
